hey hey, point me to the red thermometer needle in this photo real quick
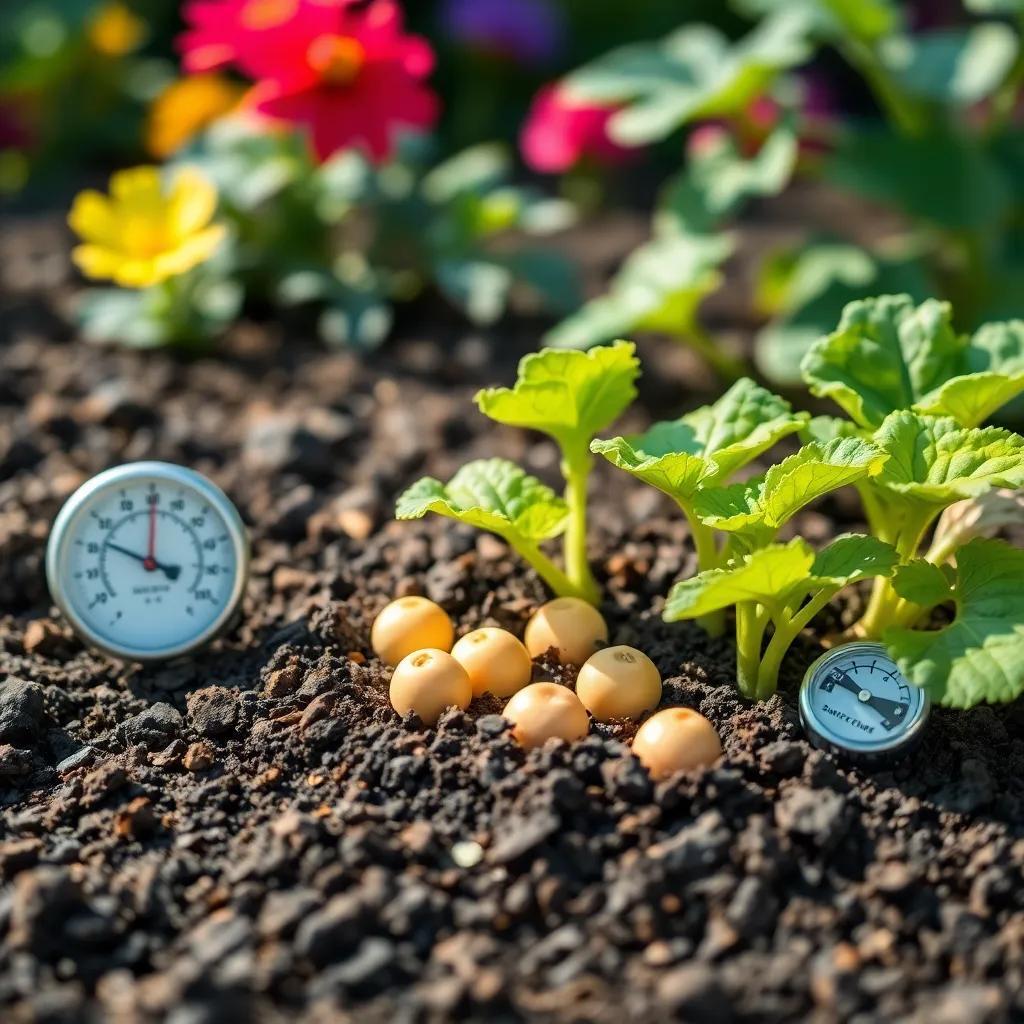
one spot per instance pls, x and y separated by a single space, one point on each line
149 564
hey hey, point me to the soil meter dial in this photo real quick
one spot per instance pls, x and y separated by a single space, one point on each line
855 702
148 560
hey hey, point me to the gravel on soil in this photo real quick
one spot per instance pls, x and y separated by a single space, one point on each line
252 834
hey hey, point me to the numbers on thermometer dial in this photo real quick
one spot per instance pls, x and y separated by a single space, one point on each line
150 563
855 699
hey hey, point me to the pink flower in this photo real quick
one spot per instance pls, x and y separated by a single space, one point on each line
342 70
559 131
220 30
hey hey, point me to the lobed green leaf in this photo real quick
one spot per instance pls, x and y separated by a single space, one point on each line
568 395
936 461
767 576
705 445
853 557
979 656
693 73
767 503
658 288
781 574
490 494
923 583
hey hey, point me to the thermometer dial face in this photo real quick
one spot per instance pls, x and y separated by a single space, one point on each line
148 560
855 701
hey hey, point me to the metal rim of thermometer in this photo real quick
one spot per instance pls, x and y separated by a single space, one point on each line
855 702
148 560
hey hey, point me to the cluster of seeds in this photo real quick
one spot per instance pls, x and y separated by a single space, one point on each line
432 672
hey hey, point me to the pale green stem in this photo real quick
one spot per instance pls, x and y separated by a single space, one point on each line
884 603
787 629
576 463
708 557
557 580
751 621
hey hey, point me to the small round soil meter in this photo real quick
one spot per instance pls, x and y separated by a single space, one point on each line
495 661
148 560
410 624
855 702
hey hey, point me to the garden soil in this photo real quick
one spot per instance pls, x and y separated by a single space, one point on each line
251 834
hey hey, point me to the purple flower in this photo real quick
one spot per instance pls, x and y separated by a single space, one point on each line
529 31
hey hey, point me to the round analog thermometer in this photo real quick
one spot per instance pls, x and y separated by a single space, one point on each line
855 702
148 560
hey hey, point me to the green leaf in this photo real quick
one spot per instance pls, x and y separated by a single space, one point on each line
768 576
568 395
995 6
715 185
768 503
965 188
851 558
952 66
706 445
659 288
936 461
549 274
888 354
923 583
695 72
808 289
867 20
828 428
979 656
490 494
993 374
478 287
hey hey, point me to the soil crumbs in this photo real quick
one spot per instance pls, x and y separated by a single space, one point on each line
252 834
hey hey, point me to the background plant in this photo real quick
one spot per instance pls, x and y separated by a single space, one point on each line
946 100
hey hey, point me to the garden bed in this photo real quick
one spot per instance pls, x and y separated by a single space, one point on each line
252 834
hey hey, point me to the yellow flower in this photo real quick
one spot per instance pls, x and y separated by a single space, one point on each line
185 108
115 30
144 233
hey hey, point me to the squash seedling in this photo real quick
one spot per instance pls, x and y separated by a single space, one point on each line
702 449
569 396
933 463
782 585
779 585
903 372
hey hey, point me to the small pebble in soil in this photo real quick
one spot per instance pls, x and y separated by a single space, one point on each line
410 624
676 740
619 682
426 682
495 661
569 626
544 711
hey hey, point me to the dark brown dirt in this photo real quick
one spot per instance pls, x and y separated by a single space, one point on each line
253 835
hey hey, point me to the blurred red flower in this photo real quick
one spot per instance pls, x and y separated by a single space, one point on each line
559 131
344 71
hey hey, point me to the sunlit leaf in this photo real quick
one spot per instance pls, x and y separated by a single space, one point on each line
694 73
888 354
490 494
568 395
979 656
